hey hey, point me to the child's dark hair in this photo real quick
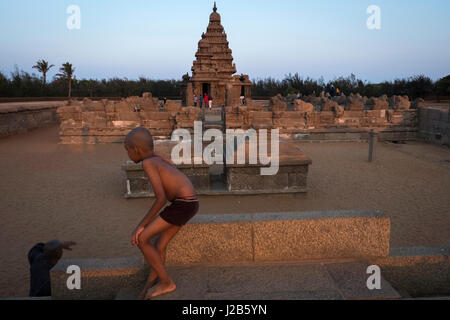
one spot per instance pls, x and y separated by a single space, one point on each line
140 138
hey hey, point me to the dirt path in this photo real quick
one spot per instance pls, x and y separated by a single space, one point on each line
52 191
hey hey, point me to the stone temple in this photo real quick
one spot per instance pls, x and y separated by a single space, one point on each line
213 69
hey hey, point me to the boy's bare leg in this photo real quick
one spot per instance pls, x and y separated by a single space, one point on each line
154 259
161 247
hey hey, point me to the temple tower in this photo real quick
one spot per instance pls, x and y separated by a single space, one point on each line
213 69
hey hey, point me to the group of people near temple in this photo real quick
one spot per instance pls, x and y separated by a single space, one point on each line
206 100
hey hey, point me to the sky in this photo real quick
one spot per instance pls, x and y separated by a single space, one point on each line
158 39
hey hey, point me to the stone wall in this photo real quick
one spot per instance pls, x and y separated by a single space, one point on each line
434 125
109 121
321 114
295 121
20 117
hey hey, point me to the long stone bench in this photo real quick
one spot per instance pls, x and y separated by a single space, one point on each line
294 236
229 239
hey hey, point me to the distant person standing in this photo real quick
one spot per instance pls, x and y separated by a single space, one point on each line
201 101
210 101
195 100
332 91
206 98
165 100
42 258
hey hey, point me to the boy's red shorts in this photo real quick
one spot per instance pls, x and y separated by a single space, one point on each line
180 212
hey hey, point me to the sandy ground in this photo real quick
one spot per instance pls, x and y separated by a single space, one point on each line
76 193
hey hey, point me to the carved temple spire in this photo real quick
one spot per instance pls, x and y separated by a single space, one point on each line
215 7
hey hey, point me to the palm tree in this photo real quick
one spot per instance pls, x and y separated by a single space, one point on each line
43 67
66 73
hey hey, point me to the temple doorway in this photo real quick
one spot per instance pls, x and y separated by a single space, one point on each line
206 89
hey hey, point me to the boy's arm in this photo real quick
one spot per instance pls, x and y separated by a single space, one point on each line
160 195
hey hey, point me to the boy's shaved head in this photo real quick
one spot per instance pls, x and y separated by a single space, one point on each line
140 138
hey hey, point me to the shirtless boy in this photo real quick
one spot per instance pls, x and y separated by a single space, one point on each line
168 184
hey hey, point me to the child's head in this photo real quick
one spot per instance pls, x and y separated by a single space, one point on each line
139 144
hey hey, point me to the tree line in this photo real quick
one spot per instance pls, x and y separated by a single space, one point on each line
419 86
65 84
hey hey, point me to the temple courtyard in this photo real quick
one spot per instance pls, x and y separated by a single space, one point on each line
76 192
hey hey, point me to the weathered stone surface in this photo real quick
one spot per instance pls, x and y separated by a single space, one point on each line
302 106
327 104
123 106
351 279
419 102
172 106
400 102
122 115
277 103
354 103
155 116
339 111
284 236
296 236
128 116
100 278
341 100
20 117
417 271
434 125
377 104
260 120
211 242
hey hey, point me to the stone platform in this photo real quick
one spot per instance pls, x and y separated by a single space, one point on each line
292 175
233 179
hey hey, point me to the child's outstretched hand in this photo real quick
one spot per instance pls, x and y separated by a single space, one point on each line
135 236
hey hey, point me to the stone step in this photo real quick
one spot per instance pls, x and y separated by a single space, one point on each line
301 281
100 278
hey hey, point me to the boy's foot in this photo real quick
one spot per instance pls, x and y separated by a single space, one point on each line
151 281
160 289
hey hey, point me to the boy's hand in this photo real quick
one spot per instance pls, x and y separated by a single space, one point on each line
135 236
